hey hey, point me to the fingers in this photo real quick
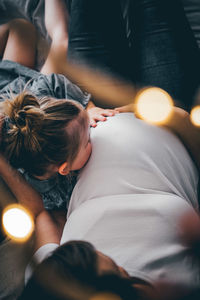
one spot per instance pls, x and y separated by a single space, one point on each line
93 123
100 118
109 112
96 118
102 114
97 114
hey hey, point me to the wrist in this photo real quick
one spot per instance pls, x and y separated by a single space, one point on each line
3 163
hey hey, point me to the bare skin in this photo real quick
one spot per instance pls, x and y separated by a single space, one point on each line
48 230
23 192
56 22
18 42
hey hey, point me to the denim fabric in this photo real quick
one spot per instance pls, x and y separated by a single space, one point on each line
97 35
160 51
165 51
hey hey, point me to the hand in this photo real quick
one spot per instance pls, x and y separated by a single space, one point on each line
99 114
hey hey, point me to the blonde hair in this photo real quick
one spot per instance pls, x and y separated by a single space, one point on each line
38 133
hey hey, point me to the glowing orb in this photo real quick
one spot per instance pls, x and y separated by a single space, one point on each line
17 222
154 105
195 115
105 296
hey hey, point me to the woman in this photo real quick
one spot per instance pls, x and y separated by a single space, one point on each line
128 202
169 198
18 51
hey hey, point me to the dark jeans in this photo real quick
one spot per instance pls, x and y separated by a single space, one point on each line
97 35
161 50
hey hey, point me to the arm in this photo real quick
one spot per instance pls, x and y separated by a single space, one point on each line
179 123
56 21
22 191
47 228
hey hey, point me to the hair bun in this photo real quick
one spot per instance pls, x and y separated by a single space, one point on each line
24 113
20 118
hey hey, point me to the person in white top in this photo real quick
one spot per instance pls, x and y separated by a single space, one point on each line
138 184
128 202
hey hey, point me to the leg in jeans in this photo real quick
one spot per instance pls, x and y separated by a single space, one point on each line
97 35
164 50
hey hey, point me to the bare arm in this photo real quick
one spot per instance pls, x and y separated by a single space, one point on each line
48 229
23 192
56 21
180 124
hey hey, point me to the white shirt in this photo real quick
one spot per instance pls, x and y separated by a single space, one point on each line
130 197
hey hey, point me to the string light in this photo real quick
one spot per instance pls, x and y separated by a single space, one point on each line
105 296
195 115
154 105
17 222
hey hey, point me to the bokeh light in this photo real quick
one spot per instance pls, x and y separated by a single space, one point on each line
17 222
105 296
195 115
154 105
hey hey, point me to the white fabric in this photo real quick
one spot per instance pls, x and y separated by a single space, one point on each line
130 156
130 196
140 233
42 253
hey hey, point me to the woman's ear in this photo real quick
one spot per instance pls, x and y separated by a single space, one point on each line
63 169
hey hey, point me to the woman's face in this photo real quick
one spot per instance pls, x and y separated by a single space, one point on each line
84 152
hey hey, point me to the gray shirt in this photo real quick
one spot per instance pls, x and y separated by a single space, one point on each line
14 78
56 191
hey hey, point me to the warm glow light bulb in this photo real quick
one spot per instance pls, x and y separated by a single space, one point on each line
154 105
195 115
105 296
17 222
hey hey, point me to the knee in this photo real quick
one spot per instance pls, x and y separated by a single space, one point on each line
60 41
22 25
